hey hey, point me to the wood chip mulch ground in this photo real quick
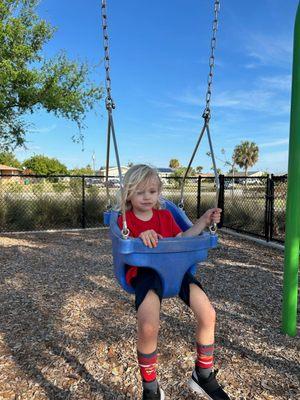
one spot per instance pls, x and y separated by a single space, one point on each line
67 330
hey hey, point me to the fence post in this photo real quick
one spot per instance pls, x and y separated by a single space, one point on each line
83 203
198 196
267 209
221 202
272 201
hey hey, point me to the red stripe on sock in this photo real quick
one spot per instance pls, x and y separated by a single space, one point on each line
148 367
205 358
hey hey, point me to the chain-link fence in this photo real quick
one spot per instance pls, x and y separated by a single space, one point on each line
255 205
277 231
250 205
66 202
245 204
40 203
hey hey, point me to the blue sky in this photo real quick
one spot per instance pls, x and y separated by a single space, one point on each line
159 67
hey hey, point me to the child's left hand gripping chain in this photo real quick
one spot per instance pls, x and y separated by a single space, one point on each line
150 238
212 216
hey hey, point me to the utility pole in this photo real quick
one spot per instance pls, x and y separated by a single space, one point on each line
94 159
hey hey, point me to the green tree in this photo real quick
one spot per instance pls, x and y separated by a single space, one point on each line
219 171
232 171
29 82
245 155
42 165
9 159
174 163
199 169
88 170
179 172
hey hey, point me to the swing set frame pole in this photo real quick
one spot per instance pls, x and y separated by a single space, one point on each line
292 238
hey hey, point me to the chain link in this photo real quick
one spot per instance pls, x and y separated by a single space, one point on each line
206 113
108 101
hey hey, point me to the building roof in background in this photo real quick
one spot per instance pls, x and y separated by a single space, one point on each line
7 168
249 173
165 170
114 167
209 175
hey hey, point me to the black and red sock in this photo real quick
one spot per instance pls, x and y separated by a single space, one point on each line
148 366
205 359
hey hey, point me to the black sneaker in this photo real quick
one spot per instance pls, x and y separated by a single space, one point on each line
150 395
208 387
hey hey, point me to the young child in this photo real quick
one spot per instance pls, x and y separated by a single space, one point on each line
145 219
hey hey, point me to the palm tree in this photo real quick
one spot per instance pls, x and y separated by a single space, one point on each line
245 155
199 169
174 163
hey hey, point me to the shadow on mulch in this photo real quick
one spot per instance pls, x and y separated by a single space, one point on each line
41 272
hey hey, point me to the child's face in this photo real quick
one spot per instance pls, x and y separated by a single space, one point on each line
145 196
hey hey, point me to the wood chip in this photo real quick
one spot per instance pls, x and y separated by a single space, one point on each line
68 331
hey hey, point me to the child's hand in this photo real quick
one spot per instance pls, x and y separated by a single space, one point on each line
150 238
211 216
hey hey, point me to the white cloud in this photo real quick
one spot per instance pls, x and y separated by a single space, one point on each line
269 50
275 162
260 100
161 104
278 82
187 115
45 129
278 142
27 150
265 95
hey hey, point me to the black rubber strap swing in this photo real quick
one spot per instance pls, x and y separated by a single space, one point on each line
172 257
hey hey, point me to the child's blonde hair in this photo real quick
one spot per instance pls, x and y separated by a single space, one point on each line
135 176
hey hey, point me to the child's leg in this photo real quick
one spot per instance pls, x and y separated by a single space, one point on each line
205 332
148 323
204 314
192 294
148 291
203 380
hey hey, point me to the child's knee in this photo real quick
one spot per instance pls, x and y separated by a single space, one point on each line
212 315
208 318
148 329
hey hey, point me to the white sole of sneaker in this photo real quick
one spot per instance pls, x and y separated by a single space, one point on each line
193 385
162 394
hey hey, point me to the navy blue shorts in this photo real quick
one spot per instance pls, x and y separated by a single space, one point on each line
147 279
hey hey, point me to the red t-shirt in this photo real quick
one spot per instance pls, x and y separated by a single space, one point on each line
162 222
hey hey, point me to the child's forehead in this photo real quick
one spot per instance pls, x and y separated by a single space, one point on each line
151 182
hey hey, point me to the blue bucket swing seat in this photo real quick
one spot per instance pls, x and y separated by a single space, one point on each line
172 257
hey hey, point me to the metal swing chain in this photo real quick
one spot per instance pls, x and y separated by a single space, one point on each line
110 105
212 58
207 114
108 100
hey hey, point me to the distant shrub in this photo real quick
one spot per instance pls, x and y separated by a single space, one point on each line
245 216
59 187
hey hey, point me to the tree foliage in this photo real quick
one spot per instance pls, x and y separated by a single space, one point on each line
178 173
199 169
88 170
245 155
42 165
29 82
9 159
174 163
232 171
219 171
